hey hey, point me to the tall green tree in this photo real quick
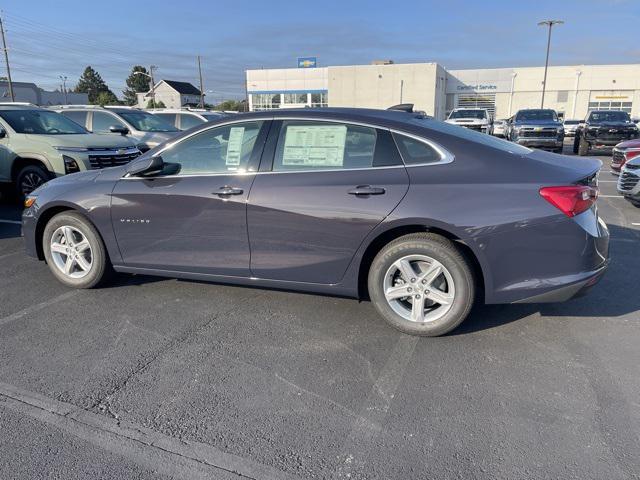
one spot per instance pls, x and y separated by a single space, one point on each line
106 98
136 83
91 83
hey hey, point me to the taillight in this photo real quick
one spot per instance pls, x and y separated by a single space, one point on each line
571 200
629 154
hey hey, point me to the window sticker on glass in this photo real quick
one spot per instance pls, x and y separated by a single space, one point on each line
314 145
234 147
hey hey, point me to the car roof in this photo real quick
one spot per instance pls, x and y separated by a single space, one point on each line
354 114
7 107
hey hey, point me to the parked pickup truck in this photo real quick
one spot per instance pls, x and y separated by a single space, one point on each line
539 128
603 128
478 119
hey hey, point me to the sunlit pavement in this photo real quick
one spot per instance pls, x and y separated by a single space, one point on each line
160 378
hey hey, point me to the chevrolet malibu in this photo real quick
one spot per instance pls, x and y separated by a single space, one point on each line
422 217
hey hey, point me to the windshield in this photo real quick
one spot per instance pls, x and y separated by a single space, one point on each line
479 114
537 115
40 122
146 122
468 134
612 116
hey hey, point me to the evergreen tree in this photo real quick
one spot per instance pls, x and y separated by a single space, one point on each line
106 98
155 104
136 83
91 83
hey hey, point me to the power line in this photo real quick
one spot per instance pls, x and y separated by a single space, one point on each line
6 59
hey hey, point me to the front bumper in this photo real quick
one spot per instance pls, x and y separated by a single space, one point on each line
541 142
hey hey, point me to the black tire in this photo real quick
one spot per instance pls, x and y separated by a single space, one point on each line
30 178
444 252
100 269
583 147
634 202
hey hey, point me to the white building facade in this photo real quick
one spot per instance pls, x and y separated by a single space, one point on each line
571 90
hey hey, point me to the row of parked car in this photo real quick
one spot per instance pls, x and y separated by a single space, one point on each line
543 128
37 144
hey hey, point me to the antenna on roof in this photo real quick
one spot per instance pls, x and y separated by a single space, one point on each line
403 107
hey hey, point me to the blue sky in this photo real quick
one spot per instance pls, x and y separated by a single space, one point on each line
48 39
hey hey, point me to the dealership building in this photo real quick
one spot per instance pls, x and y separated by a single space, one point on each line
572 90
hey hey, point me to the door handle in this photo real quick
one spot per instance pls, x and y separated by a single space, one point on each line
362 190
227 190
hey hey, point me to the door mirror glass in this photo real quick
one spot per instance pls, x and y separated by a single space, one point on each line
121 129
3 133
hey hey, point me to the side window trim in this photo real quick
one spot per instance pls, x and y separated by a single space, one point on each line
445 155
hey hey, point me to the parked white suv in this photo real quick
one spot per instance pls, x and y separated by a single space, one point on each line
478 119
629 181
186 118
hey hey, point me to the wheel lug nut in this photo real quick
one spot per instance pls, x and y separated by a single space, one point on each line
424 282
418 296
413 280
409 289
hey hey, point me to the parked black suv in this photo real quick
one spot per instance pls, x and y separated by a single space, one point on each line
603 128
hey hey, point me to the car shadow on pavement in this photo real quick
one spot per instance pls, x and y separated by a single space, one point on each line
605 300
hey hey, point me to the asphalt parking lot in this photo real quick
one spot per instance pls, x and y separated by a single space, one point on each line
161 378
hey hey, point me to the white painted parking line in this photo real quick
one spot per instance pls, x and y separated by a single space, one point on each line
636 224
37 307
607 181
15 222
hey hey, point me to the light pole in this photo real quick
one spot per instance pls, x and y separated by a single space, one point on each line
550 24
150 76
64 87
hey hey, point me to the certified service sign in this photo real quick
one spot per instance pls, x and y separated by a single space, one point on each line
307 62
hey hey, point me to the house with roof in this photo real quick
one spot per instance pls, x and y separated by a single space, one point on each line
172 93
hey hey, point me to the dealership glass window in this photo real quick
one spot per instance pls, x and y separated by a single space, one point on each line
265 101
319 99
305 145
611 105
294 98
223 149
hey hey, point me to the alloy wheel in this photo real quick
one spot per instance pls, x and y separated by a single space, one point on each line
71 252
419 288
30 181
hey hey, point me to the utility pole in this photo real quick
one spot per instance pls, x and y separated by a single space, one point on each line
64 87
550 24
201 86
6 59
153 85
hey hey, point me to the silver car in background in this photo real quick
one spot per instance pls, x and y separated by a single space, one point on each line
570 127
629 181
186 118
499 128
146 130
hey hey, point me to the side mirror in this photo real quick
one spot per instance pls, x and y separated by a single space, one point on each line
122 130
3 133
148 165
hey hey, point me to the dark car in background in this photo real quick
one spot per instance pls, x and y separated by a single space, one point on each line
422 217
539 128
603 128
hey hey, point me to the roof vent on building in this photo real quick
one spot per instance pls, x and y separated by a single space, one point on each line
382 62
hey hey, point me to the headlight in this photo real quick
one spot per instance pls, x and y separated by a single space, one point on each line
70 165
72 149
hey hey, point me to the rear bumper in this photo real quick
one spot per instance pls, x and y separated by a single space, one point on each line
570 289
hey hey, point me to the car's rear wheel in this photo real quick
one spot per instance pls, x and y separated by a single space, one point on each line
30 178
74 251
422 284
583 147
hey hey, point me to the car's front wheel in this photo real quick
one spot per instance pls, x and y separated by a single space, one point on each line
30 178
422 284
74 251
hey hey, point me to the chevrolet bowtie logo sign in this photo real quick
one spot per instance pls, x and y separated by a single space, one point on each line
538 129
613 130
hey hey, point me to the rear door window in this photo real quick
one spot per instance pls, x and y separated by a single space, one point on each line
309 145
415 152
